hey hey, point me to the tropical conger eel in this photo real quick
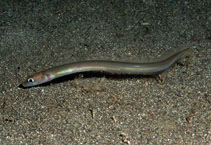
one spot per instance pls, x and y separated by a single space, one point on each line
147 68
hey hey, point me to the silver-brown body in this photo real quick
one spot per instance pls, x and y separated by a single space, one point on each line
150 68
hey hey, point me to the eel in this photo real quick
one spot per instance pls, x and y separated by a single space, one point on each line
117 67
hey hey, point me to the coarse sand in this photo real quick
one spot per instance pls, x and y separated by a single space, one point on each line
98 108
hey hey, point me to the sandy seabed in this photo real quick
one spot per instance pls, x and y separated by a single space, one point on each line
97 108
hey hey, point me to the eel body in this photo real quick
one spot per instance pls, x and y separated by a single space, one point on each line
117 67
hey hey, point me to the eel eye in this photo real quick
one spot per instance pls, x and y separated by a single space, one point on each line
31 80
